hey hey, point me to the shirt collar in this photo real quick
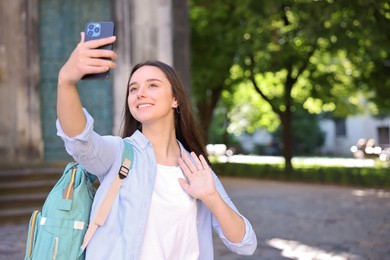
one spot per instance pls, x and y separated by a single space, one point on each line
140 139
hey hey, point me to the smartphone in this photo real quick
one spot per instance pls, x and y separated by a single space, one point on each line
98 30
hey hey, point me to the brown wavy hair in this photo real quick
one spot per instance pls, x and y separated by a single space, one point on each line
187 129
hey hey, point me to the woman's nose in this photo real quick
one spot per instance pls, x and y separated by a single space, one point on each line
141 92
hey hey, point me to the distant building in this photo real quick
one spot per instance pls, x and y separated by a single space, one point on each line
341 134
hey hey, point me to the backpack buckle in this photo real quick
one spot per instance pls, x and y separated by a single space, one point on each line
123 171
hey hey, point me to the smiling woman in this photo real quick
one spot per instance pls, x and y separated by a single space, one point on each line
151 100
172 198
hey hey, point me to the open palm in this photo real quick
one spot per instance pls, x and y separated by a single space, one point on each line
200 179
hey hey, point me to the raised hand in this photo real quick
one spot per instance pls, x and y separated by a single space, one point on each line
87 59
201 186
200 183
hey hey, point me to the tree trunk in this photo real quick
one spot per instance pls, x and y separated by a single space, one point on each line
206 108
286 116
205 115
286 119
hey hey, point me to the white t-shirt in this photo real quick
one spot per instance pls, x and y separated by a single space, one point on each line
171 231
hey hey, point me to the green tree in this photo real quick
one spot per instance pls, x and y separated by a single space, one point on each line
215 30
317 55
319 51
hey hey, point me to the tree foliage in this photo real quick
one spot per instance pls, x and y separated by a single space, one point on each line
321 56
214 31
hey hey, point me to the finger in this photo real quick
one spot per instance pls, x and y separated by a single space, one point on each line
185 168
94 44
97 62
204 162
189 163
90 69
94 69
82 36
197 162
184 184
100 53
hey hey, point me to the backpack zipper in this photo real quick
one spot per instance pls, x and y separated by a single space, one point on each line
32 230
55 249
71 183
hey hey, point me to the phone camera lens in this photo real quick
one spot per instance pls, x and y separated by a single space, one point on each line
96 29
91 26
90 33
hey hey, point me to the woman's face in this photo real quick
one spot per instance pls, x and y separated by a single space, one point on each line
150 97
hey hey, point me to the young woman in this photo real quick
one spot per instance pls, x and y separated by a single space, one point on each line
171 200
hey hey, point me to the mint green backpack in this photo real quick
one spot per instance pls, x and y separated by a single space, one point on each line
59 231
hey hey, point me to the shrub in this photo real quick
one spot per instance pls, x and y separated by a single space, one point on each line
348 176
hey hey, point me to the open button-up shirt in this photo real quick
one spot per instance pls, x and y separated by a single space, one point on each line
122 235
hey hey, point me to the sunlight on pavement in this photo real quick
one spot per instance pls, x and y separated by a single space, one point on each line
346 162
371 192
295 250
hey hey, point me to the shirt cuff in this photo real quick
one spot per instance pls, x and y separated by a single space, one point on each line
83 136
248 244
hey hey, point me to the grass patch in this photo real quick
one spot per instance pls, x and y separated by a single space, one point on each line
371 177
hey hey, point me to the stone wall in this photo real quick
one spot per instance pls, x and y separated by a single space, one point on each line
149 29
146 29
20 122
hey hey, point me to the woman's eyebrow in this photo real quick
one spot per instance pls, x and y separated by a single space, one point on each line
148 80
153 80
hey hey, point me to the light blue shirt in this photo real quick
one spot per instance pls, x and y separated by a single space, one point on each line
122 235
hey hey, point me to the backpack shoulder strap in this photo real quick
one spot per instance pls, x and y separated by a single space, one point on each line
128 152
127 158
105 206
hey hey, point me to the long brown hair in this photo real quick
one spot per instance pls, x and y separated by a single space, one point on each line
187 130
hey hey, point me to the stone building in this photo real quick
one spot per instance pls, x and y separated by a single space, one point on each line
36 38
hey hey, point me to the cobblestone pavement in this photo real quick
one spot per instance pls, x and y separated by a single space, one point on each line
292 221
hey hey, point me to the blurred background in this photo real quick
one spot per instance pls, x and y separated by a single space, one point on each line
290 78
284 90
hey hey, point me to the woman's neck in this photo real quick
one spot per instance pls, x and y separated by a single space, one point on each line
166 147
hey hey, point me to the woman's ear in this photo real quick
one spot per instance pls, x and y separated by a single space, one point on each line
175 104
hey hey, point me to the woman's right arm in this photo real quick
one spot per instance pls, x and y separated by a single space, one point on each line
85 59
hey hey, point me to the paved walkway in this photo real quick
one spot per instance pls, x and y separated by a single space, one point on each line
292 221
